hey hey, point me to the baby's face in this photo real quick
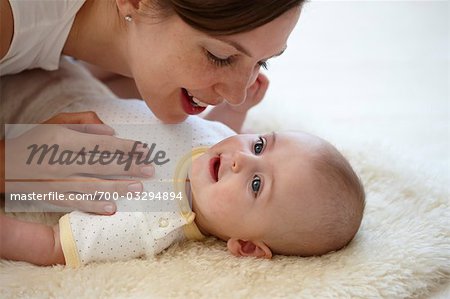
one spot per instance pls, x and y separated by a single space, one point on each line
247 184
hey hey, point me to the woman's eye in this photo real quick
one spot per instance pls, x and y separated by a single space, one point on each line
256 184
259 146
218 61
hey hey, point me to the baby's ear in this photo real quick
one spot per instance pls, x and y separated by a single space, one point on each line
249 248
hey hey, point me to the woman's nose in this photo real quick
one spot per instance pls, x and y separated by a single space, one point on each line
234 88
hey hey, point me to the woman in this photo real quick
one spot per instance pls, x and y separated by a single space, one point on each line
182 55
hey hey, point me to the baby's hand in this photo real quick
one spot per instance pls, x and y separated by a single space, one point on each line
255 94
234 116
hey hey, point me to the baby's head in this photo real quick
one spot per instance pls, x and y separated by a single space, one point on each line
285 193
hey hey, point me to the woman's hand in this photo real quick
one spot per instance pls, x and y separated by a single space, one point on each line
234 115
79 135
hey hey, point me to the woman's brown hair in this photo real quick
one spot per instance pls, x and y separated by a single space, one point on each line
223 17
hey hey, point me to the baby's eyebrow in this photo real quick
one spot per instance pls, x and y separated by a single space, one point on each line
274 140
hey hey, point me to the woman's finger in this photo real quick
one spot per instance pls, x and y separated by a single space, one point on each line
85 122
79 193
54 152
86 117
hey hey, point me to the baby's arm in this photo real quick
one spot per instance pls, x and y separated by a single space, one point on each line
30 242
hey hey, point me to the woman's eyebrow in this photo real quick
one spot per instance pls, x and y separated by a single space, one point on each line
243 50
237 46
278 54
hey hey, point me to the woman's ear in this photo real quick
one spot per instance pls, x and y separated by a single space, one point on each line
249 248
127 7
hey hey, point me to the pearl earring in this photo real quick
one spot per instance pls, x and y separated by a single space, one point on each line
128 18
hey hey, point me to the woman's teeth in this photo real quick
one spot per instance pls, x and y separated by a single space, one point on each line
197 101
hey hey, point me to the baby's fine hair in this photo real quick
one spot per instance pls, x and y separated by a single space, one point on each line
342 192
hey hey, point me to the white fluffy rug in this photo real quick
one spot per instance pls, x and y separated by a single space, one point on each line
389 119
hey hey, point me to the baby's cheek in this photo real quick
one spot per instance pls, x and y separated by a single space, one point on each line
216 204
227 206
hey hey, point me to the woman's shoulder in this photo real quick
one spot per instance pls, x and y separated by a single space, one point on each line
36 32
6 23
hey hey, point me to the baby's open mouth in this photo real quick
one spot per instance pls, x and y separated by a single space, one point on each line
214 165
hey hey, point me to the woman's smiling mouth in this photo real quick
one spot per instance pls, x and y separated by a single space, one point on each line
190 104
214 165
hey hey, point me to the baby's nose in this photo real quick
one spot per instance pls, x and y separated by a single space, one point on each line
240 159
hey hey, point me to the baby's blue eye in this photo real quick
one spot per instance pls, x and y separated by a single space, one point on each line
259 145
256 184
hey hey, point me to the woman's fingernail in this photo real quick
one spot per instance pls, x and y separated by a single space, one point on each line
135 187
148 170
105 129
109 208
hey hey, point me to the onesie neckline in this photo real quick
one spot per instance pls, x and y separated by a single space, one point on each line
190 229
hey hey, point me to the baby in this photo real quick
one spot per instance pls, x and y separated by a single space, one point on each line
288 193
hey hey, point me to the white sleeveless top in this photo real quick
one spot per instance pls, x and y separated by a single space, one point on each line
41 28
